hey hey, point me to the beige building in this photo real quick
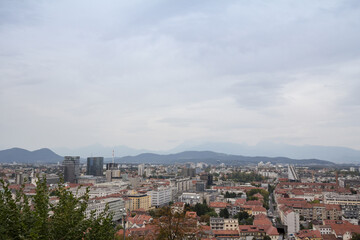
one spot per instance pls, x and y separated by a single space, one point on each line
231 224
138 201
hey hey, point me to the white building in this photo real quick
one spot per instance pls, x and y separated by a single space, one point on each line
141 168
290 219
161 196
116 206
269 174
335 198
148 171
292 175
182 184
190 198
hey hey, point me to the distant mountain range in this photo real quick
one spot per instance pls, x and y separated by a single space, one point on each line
215 158
48 156
329 153
20 155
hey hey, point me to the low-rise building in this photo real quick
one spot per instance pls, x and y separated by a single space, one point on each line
218 206
231 224
334 198
217 223
190 198
308 235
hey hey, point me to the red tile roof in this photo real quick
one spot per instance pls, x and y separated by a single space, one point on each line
258 209
240 201
254 202
264 222
191 214
219 233
308 234
218 204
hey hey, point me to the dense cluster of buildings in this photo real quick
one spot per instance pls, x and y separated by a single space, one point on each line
287 202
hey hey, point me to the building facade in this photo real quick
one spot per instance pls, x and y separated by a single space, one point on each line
161 196
71 168
138 201
95 166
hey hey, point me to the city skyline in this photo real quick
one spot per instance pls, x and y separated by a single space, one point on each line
154 75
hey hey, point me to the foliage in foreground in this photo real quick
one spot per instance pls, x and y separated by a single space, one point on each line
25 217
176 226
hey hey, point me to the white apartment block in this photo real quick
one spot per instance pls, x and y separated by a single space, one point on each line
324 229
290 219
190 198
141 169
182 184
161 196
268 174
116 205
96 191
335 198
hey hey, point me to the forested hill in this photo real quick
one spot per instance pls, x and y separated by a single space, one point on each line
216 158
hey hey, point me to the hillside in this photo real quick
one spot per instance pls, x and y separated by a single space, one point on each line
20 155
47 156
215 158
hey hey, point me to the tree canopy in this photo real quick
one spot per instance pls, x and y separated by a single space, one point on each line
25 217
244 177
173 226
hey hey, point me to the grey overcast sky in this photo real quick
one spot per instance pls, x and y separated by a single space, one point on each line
155 74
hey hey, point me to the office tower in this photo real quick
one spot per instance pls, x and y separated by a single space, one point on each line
71 168
95 166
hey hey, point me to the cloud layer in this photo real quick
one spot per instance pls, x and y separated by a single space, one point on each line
155 74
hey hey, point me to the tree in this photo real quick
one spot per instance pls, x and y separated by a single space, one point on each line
242 215
249 221
230 195
245 177
271 188
355 236
267 237
244 218
43 220
175 226
224 213
205 219
201 209
310 225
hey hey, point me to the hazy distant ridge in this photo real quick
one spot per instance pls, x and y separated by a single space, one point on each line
214 158
329 153
20 155
47 156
